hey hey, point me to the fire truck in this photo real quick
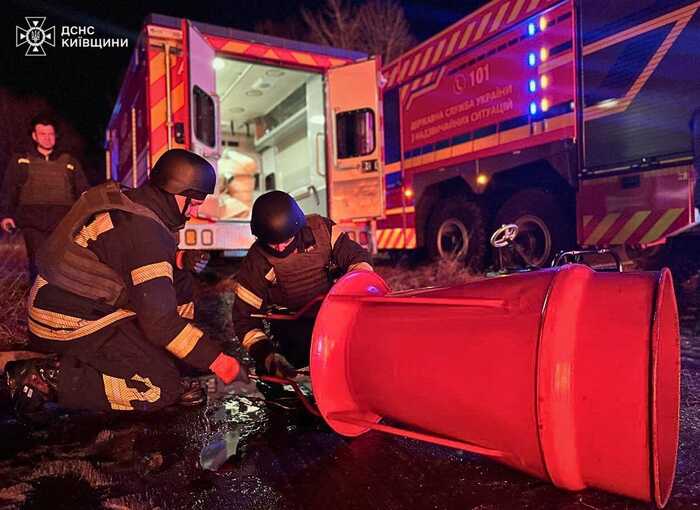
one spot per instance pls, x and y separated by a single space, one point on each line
268 113
576 120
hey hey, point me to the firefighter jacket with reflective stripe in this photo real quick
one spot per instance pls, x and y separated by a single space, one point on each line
37 191
158 296
65 260
265 280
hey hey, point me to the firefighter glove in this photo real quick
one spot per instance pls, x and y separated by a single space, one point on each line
277 365
229 370
193 260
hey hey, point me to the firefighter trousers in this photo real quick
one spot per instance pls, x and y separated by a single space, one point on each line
123 373
33 239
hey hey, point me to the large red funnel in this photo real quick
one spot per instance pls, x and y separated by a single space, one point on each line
567 374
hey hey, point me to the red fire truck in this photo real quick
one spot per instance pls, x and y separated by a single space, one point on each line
267 112
573 119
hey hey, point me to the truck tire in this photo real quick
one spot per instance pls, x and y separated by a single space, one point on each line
457 232
544 229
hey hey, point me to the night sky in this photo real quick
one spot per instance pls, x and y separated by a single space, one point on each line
82 83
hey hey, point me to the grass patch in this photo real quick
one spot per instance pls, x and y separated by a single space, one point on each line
444 273
15 287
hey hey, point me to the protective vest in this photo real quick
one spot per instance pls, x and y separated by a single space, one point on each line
303 276
64 263
48 182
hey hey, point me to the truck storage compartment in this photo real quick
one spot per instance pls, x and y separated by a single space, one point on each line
272 130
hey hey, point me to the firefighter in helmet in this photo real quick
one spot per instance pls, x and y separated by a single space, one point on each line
112 304
39 188
292 262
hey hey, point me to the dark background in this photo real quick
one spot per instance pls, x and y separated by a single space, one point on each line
81 84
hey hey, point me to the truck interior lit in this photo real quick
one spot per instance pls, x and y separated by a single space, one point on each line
272 123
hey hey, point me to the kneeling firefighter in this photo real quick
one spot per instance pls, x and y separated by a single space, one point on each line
113 304
292 262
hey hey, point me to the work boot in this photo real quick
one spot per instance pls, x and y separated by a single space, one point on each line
31 383
193 394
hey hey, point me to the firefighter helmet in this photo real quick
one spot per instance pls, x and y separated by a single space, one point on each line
276 217
181 172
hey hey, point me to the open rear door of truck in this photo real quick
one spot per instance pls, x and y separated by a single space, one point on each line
356 178
204 103
208 231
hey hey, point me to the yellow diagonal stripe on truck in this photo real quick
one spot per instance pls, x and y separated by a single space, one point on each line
179 97
411 233
438 51
414 65
158 114
393 240
453 42
630 227
466 35
404 68
516 10
235 47
533 4
499 17
426 58
602 228
303 58
484 22
661 225
156 68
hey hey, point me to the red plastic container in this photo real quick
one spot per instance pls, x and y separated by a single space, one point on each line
567 374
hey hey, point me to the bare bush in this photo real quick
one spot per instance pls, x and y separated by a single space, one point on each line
14 283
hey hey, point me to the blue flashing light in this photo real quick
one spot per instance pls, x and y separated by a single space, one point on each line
533 108
532 59
532 85
531 29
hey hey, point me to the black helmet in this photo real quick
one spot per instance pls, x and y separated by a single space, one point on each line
181 172
276 217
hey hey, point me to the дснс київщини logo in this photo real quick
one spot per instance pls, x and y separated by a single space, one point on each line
35 36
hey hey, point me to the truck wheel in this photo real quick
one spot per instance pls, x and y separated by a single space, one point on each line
456 231
544 230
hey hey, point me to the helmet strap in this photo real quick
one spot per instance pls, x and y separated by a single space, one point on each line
188 201
183 218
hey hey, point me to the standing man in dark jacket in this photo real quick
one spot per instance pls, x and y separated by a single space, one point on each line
39 188
111 301
290 264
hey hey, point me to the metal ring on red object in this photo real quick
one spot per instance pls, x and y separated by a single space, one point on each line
556 413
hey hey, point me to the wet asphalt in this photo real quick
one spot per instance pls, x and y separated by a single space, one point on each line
288 459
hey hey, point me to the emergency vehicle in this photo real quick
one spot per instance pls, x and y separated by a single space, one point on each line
268 113
572 119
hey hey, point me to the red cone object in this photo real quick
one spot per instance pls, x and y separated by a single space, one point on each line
567 374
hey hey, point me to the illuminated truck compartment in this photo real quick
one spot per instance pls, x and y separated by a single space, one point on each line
272 130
